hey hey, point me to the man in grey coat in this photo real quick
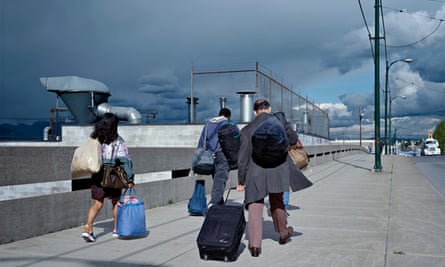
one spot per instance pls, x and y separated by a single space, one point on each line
259 182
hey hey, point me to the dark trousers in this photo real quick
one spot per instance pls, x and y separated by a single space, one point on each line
220 177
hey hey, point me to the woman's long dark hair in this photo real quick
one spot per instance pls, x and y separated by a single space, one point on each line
106 129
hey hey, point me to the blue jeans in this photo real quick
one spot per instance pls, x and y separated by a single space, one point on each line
220 177
286 199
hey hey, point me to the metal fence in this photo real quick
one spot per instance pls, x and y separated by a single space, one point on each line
304 115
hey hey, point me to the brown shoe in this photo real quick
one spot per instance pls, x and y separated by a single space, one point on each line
255 252
283 239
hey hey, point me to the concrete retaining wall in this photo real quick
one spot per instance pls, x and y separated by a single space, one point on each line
25 217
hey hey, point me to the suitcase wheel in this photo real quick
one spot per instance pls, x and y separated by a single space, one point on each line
205 257
226 259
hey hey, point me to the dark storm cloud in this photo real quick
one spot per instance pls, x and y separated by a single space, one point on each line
142 50
347 53
158 83
430 65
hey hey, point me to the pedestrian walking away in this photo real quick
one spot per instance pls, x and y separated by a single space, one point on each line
209 140
114 152
258 181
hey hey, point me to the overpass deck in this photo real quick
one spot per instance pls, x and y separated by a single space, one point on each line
351 216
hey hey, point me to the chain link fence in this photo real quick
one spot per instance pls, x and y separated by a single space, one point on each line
304 116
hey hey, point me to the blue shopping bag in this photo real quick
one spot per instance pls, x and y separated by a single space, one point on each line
197 205
130 214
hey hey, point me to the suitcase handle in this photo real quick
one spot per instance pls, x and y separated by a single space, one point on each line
228 193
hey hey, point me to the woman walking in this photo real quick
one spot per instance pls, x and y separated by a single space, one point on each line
114 152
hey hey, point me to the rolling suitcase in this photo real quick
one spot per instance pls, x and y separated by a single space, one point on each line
221 232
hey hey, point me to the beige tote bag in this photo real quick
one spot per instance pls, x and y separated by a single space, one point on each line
87 159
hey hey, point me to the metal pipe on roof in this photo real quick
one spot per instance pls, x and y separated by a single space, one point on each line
129 114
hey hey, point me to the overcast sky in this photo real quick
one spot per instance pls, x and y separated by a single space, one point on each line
143 51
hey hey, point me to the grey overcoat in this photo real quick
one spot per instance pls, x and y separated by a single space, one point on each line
258 181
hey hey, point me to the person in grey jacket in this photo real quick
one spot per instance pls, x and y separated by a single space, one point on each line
209 140
258 182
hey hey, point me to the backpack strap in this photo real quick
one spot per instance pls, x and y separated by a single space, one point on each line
205 137
281 117
291 134
214 134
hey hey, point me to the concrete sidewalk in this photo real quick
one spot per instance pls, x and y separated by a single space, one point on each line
351 216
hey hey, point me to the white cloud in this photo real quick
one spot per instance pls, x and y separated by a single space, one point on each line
336 110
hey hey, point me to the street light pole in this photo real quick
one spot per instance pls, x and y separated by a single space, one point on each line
388 65
360 116
378 155
390 116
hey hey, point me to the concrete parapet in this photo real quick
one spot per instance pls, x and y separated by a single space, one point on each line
24 217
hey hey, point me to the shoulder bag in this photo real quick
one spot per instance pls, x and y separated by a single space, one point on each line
203 160
299 156
114 176
87 158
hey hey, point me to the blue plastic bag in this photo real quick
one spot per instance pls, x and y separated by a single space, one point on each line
197 205
130 215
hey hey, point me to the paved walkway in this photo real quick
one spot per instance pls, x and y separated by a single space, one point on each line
350 217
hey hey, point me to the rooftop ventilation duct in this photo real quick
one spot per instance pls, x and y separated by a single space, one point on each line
123 113
84 96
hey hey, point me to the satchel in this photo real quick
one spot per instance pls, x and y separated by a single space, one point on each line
203 162
299 156
130 215
114 177
87 158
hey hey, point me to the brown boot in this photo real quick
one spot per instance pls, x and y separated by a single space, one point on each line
283 239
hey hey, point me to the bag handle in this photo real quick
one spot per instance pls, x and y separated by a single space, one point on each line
130 191
228 193
114 145
205 137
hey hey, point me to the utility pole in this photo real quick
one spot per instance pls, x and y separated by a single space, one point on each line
377 141
360 116
192 98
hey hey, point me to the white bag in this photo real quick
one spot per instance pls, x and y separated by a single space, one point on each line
87 158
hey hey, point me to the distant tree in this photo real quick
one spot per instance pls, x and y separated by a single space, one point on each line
439 134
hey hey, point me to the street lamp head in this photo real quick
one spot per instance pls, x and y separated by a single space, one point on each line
394 98
406 60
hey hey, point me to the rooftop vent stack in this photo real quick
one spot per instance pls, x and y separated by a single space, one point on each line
222 102
192 117
246 105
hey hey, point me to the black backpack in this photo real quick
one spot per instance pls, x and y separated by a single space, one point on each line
229 139
270 143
